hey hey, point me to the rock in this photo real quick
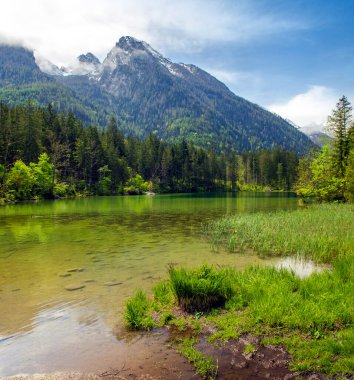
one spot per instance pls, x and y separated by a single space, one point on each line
73 287
64 275
112 283
75 270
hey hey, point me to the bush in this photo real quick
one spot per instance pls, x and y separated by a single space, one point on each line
137 312
201 289
136 186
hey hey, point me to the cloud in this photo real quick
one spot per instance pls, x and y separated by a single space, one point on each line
61 30
235 79
310 109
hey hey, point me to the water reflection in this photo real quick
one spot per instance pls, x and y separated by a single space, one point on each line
105 248
301 267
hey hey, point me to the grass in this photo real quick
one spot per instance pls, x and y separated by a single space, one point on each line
249 349
313 317
200 289
137 311
204 366
320 232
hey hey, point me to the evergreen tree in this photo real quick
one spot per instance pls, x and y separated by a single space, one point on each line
338 124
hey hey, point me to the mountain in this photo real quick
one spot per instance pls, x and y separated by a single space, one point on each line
23 80
149 93
320 138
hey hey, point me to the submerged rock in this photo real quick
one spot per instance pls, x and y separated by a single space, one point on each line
73 287
65 274
112 283
73 270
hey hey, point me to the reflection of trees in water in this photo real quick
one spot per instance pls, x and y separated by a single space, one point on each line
123 239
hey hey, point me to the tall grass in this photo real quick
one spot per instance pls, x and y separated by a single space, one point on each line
320 232
137 311
200 289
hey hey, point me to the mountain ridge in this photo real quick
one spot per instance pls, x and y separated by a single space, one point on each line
149 93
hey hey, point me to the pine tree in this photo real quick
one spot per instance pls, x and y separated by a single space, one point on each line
338 124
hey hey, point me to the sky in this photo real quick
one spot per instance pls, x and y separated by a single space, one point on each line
293 57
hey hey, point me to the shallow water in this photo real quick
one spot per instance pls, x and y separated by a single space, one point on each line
108 246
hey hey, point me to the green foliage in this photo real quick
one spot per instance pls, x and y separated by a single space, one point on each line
323 183
163 293
95 161
2 172
35 180
137 312
349 177
105 180
200 289
20 181
43 176
136 185
204 365
328 175
339 123
61 189
249 349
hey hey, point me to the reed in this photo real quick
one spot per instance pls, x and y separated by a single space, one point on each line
320 232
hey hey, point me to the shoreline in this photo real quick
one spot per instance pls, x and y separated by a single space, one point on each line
154 357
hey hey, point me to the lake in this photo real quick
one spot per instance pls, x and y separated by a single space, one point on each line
67 267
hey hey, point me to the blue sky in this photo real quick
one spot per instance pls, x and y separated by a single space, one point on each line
295 58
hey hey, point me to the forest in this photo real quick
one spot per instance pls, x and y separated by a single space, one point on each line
45 153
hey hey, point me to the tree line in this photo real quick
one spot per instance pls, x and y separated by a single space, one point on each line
46 153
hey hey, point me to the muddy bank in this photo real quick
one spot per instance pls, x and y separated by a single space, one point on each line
152 357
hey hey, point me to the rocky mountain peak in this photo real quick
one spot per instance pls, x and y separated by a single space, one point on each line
88 58
129 43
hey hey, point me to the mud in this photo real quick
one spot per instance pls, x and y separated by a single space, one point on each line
265 362
152 357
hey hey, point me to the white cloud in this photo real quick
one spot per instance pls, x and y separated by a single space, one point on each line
310 109
235 79
61 30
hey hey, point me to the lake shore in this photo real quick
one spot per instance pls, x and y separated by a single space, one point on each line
304 320
153 357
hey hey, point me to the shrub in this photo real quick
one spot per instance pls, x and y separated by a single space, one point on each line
200 289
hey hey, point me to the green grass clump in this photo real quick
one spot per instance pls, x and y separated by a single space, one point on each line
204 366
249 349
163 293
320 232
137 311
200 289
